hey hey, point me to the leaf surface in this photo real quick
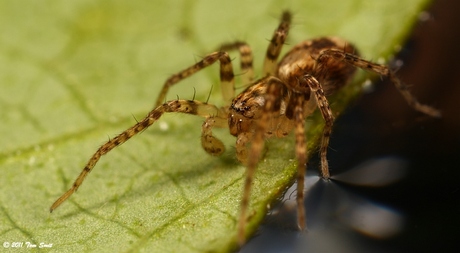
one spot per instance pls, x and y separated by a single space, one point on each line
76 73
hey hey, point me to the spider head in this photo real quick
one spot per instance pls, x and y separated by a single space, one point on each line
240 118
244 110
237 123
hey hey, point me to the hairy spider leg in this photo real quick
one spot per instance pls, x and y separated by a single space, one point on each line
301 154
276 44
183 106
246 61
226 76
382 70
215 117
326 113
211 144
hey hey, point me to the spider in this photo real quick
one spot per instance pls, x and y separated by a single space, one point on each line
272 106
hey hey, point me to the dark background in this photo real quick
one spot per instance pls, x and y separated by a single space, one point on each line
381 124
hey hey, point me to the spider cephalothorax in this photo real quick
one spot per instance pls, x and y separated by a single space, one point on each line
272 106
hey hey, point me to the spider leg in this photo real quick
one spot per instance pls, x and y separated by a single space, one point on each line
326 112
383 70
226 76
272 104
242 146
246 59
183 106
211 144
301 154
276 44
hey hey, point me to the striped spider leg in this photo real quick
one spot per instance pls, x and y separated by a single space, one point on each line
214 116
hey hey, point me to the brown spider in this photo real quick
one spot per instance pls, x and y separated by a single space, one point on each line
272 106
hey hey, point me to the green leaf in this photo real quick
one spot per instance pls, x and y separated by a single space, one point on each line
74 73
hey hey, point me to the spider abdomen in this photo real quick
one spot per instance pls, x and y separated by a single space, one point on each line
303 59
